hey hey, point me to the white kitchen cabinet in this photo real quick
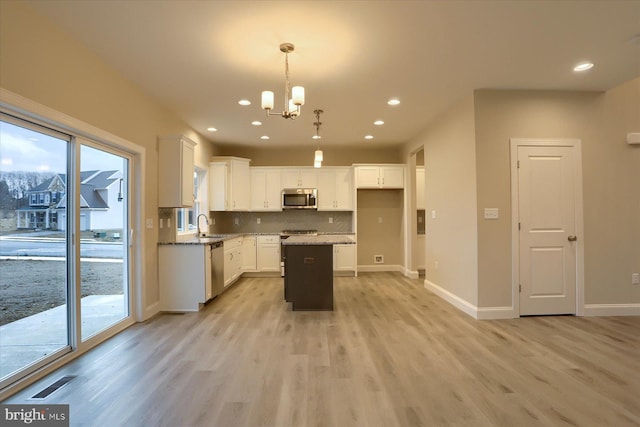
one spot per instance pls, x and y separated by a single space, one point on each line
266 190
299 177
175 172
379 176
185 277
268 253
420 187
335 189
229 184
232 260
249 254
344 258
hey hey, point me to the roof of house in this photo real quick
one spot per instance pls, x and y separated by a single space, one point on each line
90 182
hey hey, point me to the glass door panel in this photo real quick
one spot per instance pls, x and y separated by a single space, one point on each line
34 280
104 249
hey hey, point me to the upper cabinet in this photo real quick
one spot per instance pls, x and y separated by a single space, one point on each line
265 189
379 176
335 189
175 172
299 177
229 184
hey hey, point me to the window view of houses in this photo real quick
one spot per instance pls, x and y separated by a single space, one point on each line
45 204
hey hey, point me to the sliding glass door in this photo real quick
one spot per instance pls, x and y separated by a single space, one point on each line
104 273
64 244
34 243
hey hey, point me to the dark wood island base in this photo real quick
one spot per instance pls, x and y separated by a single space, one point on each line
308 270
308 280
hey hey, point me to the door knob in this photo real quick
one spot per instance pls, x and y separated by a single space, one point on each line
572 238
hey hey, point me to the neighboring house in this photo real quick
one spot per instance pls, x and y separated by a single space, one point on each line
100 195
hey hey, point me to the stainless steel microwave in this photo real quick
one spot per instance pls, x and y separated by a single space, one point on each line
300 198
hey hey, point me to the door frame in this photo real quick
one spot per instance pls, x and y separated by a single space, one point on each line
576 144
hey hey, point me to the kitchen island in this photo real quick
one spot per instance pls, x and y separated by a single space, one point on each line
308 279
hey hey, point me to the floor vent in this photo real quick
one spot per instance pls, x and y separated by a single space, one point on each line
53 387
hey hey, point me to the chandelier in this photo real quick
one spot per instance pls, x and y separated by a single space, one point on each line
317 158
293 97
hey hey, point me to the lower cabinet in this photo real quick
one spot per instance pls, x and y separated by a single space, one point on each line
232 260
268 253
249 254
185 277
344 258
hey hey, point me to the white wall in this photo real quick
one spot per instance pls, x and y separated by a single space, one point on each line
450 187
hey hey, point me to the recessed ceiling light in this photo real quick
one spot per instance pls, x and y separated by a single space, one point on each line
583 66
393 101
378 122
212 129
244 102
368 137
264 137
256 123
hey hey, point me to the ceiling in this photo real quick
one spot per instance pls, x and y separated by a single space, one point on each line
199 58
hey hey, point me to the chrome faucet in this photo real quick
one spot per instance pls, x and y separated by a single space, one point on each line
206 219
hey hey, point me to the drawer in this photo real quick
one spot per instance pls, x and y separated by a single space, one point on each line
269 239
236 242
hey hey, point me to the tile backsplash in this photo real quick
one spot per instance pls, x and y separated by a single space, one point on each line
247 222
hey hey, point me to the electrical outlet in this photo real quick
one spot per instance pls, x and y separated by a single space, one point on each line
149 222
379 220
330 220
433 214
258 221
236 221
378 259
635 278
436 265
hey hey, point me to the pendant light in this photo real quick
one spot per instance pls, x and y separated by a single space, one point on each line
293 97
318 156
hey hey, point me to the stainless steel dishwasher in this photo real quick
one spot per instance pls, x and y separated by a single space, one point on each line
217 268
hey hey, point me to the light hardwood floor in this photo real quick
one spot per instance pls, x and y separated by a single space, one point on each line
391 354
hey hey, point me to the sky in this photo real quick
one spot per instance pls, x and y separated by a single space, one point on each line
23 149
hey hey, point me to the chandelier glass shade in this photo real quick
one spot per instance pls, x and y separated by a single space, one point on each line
293 96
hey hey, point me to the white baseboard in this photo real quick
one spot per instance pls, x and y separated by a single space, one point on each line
151 310
612 309
381 267
482 313
411 274
495 313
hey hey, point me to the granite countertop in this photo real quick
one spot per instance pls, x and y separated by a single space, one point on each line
320 239
215 238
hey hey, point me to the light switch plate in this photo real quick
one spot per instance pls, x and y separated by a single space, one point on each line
491 213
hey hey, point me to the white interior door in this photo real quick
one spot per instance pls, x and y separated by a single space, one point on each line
547 236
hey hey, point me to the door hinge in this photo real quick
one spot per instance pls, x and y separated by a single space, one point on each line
518 164
519 288
518 226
